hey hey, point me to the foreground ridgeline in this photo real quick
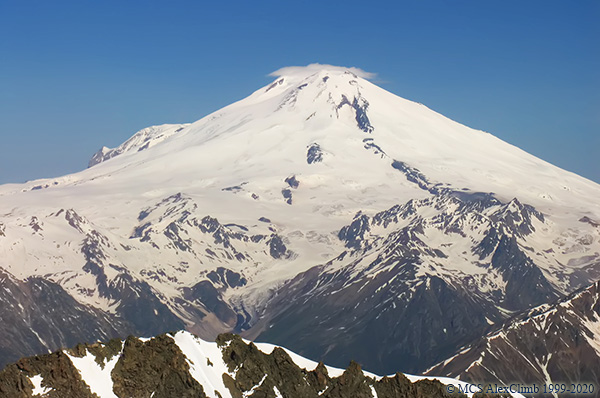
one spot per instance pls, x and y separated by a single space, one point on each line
182 365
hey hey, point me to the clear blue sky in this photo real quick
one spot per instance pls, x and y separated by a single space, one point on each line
76 75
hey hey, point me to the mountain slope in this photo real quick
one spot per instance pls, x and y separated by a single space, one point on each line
551 342
400 278
321 184
37 314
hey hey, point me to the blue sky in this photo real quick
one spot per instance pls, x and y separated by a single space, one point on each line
76 75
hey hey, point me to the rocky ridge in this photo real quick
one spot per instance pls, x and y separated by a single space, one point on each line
557 342
181 365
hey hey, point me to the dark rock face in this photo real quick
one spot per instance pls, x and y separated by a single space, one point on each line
287 195
155 369
141 307
173 232
204 294
102 352
369 144
277 248
414 175
367 320
277 372
57 371
292 182
100 156
518 217
226 277
360 106
173 204
526 285
314 154
557 341
39 316
353 235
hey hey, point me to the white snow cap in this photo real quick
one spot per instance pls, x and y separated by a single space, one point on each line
308 70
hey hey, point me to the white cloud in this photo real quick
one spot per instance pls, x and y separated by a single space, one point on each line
312 68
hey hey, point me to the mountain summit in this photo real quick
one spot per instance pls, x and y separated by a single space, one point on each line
321 213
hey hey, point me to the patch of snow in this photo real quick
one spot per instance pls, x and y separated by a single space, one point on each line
248 393
37 385
373 392
97 378
206 363
299 360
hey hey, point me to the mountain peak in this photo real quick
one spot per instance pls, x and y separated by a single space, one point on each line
325 91
302 72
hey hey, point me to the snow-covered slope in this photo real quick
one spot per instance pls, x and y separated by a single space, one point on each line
317 186
182 365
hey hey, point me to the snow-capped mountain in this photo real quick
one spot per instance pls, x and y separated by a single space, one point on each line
182 365
322 213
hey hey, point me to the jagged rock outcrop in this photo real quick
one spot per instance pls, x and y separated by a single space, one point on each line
181 365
